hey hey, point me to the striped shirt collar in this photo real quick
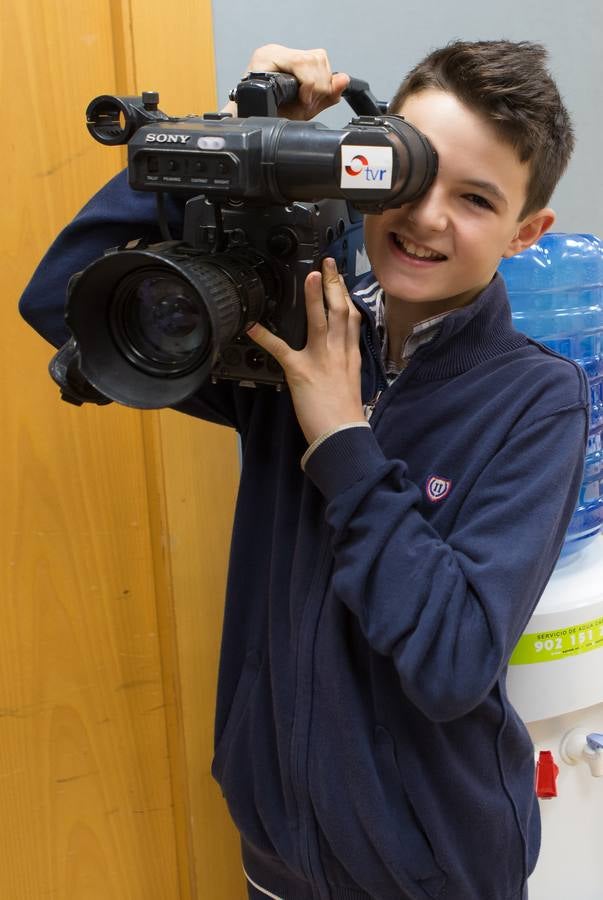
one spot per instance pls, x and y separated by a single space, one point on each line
373 297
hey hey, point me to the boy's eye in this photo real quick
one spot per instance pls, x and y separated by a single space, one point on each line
478 200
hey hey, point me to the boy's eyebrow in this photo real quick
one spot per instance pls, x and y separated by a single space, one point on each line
487 186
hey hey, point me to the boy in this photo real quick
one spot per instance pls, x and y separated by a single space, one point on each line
364 741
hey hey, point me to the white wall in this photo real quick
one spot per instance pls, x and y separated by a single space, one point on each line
381 41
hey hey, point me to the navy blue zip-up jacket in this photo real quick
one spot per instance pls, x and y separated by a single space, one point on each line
364 740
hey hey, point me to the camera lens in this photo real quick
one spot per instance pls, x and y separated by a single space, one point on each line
151 322
159 321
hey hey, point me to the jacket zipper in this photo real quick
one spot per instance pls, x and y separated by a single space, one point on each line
380 378
369 407
300 737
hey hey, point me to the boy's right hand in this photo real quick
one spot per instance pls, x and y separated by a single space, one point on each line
319 88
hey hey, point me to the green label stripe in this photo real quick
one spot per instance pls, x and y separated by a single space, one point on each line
548 646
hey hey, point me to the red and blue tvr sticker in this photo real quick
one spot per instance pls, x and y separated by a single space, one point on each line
366 167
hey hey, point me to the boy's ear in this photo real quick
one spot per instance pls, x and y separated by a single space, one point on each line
529 230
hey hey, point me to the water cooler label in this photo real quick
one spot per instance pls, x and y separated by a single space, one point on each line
548 646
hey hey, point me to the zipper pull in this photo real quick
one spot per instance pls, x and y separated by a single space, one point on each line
369 407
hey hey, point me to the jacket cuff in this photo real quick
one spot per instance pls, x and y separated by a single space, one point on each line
327 434
342 459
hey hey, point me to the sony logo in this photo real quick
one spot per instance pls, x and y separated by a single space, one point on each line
164 138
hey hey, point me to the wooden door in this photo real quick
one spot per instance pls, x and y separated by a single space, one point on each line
115 523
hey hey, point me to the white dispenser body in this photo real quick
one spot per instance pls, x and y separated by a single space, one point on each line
556 684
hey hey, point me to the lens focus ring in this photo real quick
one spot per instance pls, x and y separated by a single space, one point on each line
222 297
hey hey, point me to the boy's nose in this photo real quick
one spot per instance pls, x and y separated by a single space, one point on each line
429 211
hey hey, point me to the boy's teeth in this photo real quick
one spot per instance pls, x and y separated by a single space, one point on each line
414 250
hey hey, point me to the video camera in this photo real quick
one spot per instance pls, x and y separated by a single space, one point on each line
267 199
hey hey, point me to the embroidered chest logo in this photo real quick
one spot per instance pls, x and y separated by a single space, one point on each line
437 488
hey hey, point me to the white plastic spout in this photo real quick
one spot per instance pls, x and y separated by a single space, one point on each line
579 745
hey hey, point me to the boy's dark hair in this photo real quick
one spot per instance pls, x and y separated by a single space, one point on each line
509 84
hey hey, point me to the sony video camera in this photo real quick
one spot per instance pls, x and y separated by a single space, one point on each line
267 199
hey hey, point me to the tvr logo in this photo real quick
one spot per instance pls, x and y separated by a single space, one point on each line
359 165
366 167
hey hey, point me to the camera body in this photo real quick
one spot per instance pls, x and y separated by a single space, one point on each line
267 200
288 242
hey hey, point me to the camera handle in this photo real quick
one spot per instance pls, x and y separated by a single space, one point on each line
263 93
359 96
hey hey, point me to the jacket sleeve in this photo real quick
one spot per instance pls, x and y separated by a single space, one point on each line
449 613
115 215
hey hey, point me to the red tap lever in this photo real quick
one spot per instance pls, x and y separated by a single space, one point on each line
546 775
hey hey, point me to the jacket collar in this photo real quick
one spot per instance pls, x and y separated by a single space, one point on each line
465 337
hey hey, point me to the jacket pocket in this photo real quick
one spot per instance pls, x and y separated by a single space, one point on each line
240 701
415 848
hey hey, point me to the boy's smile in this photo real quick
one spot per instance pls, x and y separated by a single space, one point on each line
441 251
410 252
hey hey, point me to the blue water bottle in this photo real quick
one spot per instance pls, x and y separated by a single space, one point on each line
556 293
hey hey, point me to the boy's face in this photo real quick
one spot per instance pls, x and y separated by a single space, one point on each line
445 248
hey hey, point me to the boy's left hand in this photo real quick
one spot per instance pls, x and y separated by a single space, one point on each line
324 377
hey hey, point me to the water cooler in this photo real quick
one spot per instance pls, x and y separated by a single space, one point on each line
555 677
